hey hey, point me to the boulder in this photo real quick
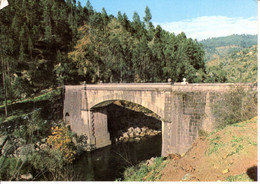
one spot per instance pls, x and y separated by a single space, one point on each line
38 144
142 134
68 126
155 132
148 132
137 134
125 135
137 139
144 129
131 134
131 129
152 133
74 140
137 130
28 176
150 162
43 140
43 146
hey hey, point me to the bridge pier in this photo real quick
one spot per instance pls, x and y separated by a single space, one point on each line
165 138
101 134
97 130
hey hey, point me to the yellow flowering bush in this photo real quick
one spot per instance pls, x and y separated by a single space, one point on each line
60 140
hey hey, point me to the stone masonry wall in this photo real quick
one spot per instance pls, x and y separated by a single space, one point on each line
183 109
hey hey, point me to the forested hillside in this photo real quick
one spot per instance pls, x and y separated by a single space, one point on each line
116 50
48 43
240 66
221 46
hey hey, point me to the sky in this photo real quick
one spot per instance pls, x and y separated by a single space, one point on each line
198 19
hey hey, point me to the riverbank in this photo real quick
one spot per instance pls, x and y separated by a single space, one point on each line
31 148
228 154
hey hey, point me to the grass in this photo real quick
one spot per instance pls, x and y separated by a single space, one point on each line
241 177
214 147
238 125
236 139
251 142
41 97
215 144
25 106
243 123
237 149
237 144
142 172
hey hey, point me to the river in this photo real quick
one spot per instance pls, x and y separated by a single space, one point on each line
109 163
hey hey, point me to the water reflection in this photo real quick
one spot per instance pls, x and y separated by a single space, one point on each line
108 164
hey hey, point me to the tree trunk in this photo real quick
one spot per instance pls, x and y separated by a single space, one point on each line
4 86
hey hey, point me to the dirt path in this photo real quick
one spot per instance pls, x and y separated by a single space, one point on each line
229 154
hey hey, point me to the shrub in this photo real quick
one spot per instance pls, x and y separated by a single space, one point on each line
142 172
235 106
61 140
8 168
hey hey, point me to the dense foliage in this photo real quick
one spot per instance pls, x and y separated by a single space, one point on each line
60 140
48 43
235 106
27 150
117 50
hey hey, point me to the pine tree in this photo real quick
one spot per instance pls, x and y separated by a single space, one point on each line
148 17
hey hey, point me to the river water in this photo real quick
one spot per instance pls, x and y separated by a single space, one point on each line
109 163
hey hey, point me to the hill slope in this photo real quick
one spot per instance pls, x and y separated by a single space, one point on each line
221 46
240 66
229 154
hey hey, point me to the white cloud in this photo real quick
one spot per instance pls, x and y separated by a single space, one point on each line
212 26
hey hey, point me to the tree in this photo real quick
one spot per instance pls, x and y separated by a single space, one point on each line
136 19
89 6
148 17
138 28
119 16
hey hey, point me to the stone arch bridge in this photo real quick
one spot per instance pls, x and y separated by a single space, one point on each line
184 109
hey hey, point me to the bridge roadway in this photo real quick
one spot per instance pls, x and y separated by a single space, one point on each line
183 108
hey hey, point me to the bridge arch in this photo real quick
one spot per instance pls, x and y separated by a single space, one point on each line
136 100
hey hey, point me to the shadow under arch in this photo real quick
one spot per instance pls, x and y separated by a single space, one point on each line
122 115
108 99
109 102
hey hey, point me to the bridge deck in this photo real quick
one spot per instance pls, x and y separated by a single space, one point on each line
163 86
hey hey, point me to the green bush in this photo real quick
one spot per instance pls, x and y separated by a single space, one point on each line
142 172
238 178
7 168
235 106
